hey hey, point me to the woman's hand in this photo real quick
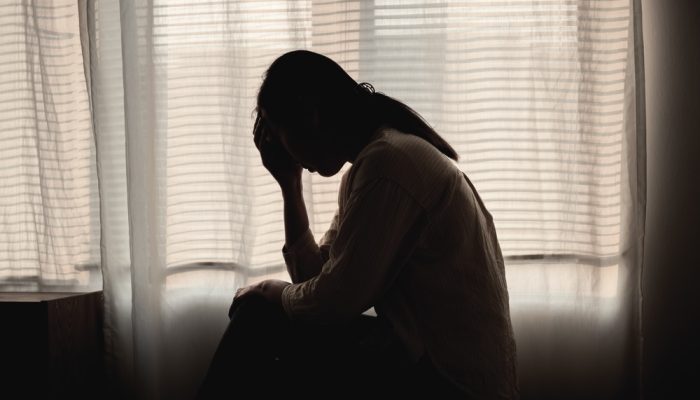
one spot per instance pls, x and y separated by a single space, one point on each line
282 167
270 289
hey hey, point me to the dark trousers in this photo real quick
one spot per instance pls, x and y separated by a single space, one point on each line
263 354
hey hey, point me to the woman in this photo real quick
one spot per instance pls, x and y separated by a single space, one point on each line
411 238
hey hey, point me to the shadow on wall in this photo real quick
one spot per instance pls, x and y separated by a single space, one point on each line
671 299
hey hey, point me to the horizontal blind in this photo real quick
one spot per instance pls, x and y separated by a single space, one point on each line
49 212
220 204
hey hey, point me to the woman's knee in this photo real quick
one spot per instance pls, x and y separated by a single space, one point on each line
254 306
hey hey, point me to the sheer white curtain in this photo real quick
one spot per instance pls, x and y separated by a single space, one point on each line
540 98
49 208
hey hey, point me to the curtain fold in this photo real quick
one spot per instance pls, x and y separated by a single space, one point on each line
49 208
152 157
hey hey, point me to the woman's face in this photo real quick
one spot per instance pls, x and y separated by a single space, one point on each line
314 148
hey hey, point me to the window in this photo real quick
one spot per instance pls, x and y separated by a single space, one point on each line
531 94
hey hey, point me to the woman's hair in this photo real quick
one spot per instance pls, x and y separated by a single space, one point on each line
301 80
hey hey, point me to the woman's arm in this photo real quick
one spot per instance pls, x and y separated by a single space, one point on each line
296 220
301 252
377 234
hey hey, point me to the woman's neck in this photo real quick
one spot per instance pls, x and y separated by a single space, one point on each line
359 135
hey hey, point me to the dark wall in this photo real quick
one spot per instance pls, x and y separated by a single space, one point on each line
671 276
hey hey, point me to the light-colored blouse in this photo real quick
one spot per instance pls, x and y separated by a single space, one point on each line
413 239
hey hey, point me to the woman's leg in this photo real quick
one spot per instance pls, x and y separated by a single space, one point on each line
245 361
264 354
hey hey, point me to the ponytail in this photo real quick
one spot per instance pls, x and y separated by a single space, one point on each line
403 118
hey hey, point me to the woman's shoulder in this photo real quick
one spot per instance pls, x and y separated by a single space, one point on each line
384 156
406 159
391 146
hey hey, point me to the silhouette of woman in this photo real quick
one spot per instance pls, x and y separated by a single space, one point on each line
411 238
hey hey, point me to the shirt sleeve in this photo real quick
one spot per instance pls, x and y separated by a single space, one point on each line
304 258
378 231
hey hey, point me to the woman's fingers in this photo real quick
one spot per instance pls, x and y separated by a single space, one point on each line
258 131
257 138
241 293
273 155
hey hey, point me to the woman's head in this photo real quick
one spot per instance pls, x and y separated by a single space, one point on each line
311 105
323 117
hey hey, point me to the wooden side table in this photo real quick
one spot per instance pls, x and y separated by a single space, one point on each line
51 345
